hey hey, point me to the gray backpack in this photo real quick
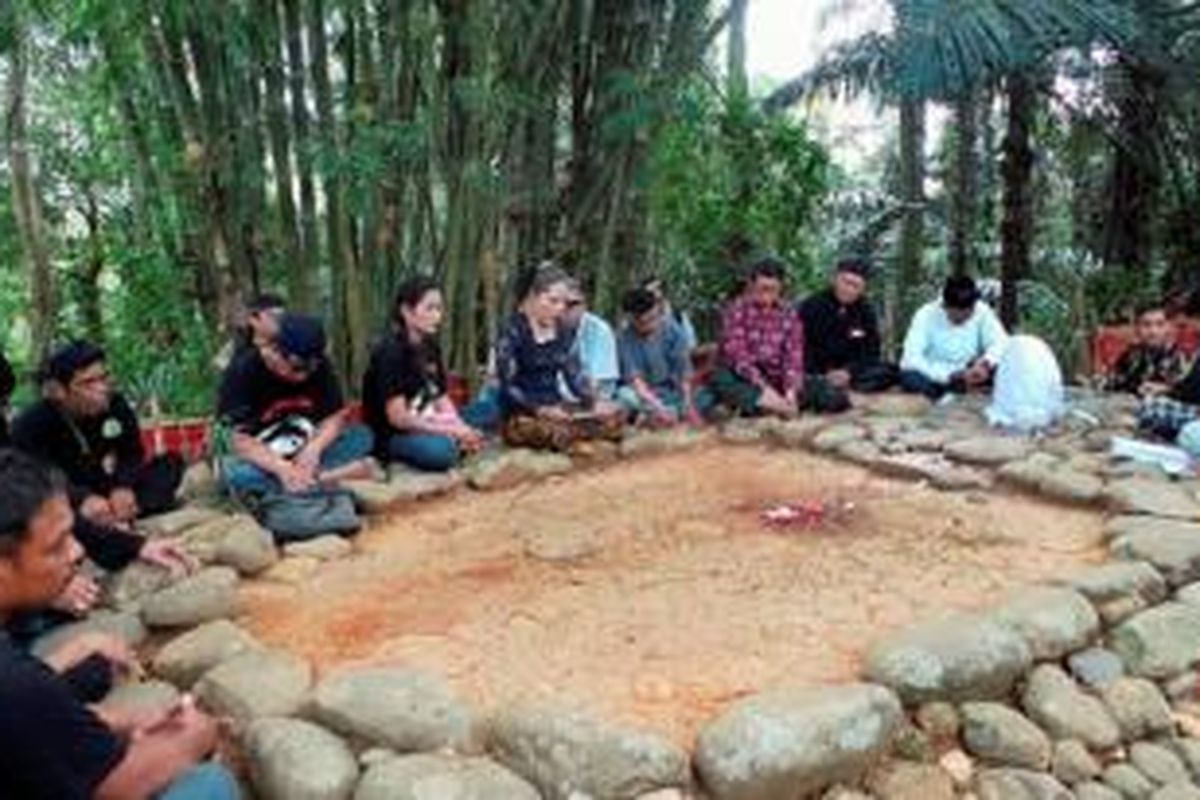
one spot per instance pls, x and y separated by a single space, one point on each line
307 515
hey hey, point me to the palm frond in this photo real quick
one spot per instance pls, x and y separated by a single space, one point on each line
862 65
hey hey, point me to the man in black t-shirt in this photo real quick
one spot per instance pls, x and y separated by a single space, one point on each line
284 408
841 334
83 426
52 745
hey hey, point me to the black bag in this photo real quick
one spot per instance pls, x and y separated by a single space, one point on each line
295 517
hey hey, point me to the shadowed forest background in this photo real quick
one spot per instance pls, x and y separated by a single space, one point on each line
163 160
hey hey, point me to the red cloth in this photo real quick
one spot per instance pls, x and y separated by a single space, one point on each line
764 344
1111 341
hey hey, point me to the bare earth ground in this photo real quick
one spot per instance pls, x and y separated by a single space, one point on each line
689 603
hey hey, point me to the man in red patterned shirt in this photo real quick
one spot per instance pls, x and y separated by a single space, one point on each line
762 351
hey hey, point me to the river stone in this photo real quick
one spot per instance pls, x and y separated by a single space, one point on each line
1120 590
293 570
1072 763
247 547
442 777
173 523
1018 784
208 595
404 710
125 590
1128 781
1071 486
1177 791
184 659
894 404
1188 750
511 467
322 548
1053 621
1160 642
1172 546
1056 702
1029 473
1096 791
1139 708
748 430
671 440
800 432
940 720
793 742
291 759
956 658
123 625
999 735
988 451
1158 763
905 780
414 484
837 436
1096 667
258 683
1153 496
566 754
143 697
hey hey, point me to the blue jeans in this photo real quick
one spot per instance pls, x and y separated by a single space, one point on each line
242 477
207 781
486 412
429 452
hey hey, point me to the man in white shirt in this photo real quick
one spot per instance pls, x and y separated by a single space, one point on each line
953 345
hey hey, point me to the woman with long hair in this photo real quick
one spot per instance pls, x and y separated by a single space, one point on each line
536 361
404 388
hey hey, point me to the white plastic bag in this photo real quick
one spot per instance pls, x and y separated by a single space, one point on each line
1028 394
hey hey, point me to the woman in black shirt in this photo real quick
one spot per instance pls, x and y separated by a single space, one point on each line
404 388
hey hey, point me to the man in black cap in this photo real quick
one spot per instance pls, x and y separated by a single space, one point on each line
283 406
841 333
86 428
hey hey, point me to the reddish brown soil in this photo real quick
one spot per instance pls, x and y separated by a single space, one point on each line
689 603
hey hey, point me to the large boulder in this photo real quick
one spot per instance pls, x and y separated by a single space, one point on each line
1160 642
1154 496
247 547
173 523
124 590
400 709
1139 708
142 698
512 467
322 548
291 759
1127 780
1019 784
1120 590
184 659
1001 736
957 658
1065 711
790 743
568 754
208 595
671 440
1072 486
403 486
1073 764
1172 546
1158 763
429 776
259 683
1053 621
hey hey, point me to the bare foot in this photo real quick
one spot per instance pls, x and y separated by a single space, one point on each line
366 469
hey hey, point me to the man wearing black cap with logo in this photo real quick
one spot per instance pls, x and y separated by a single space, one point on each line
86 428
283 405
841 333
953 344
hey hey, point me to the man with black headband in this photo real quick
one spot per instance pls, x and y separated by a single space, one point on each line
841 333
285 410
953 344
86 428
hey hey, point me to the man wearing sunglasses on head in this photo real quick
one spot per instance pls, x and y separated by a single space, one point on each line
287 419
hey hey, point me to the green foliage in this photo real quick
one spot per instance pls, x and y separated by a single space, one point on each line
727 174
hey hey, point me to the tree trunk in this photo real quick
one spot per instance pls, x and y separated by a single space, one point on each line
27 207
93 266
912 187
964 203
1016 229
737 86
302 144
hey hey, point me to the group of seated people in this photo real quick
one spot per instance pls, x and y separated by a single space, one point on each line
75 476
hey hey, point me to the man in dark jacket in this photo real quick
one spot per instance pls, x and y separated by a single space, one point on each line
83 426
841 333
